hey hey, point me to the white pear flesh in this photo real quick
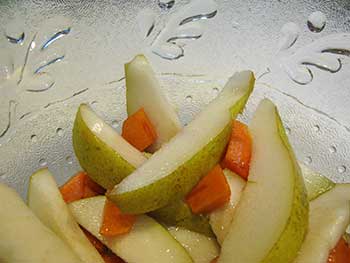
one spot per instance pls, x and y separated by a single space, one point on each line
102 152
111 137
202 249
346 235
328 220
144 91
177 167
147 242
45 200
24 238
271 219
221 218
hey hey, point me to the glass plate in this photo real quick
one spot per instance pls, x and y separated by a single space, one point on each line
55 55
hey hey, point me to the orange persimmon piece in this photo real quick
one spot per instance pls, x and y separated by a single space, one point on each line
74 188
210 193
80 186
239 150
341 253
114 222
92 189
88 192
139 131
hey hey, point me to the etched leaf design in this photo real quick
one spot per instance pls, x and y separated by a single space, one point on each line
289 35
324 54
10 116
180 26
24 60
146 21
187 32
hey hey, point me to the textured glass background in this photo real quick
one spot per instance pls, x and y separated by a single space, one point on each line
36 116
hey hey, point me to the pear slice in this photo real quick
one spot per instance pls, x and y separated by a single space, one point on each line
329 218
179 214
143 91
202 249
107 158
220 219
271 219
101 151
315 183
24 238
177 167
346 235
147 154
45 200
147 242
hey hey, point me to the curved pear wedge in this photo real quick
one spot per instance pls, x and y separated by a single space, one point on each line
271 218
24 238
202 249
346 235
220 219
108 158
329 218
45 200
177 167
143 91
315 183
101 151
179 214
147 242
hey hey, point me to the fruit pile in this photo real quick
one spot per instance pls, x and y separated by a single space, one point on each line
215 190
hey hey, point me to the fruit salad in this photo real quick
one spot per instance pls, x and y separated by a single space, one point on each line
215 190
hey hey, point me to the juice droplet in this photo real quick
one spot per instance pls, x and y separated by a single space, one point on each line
332 149
341 169
316 128
308 160
59 131
115 124
42 162
69 159
14 31
189 98
166 5
215 91
316 21
34 138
